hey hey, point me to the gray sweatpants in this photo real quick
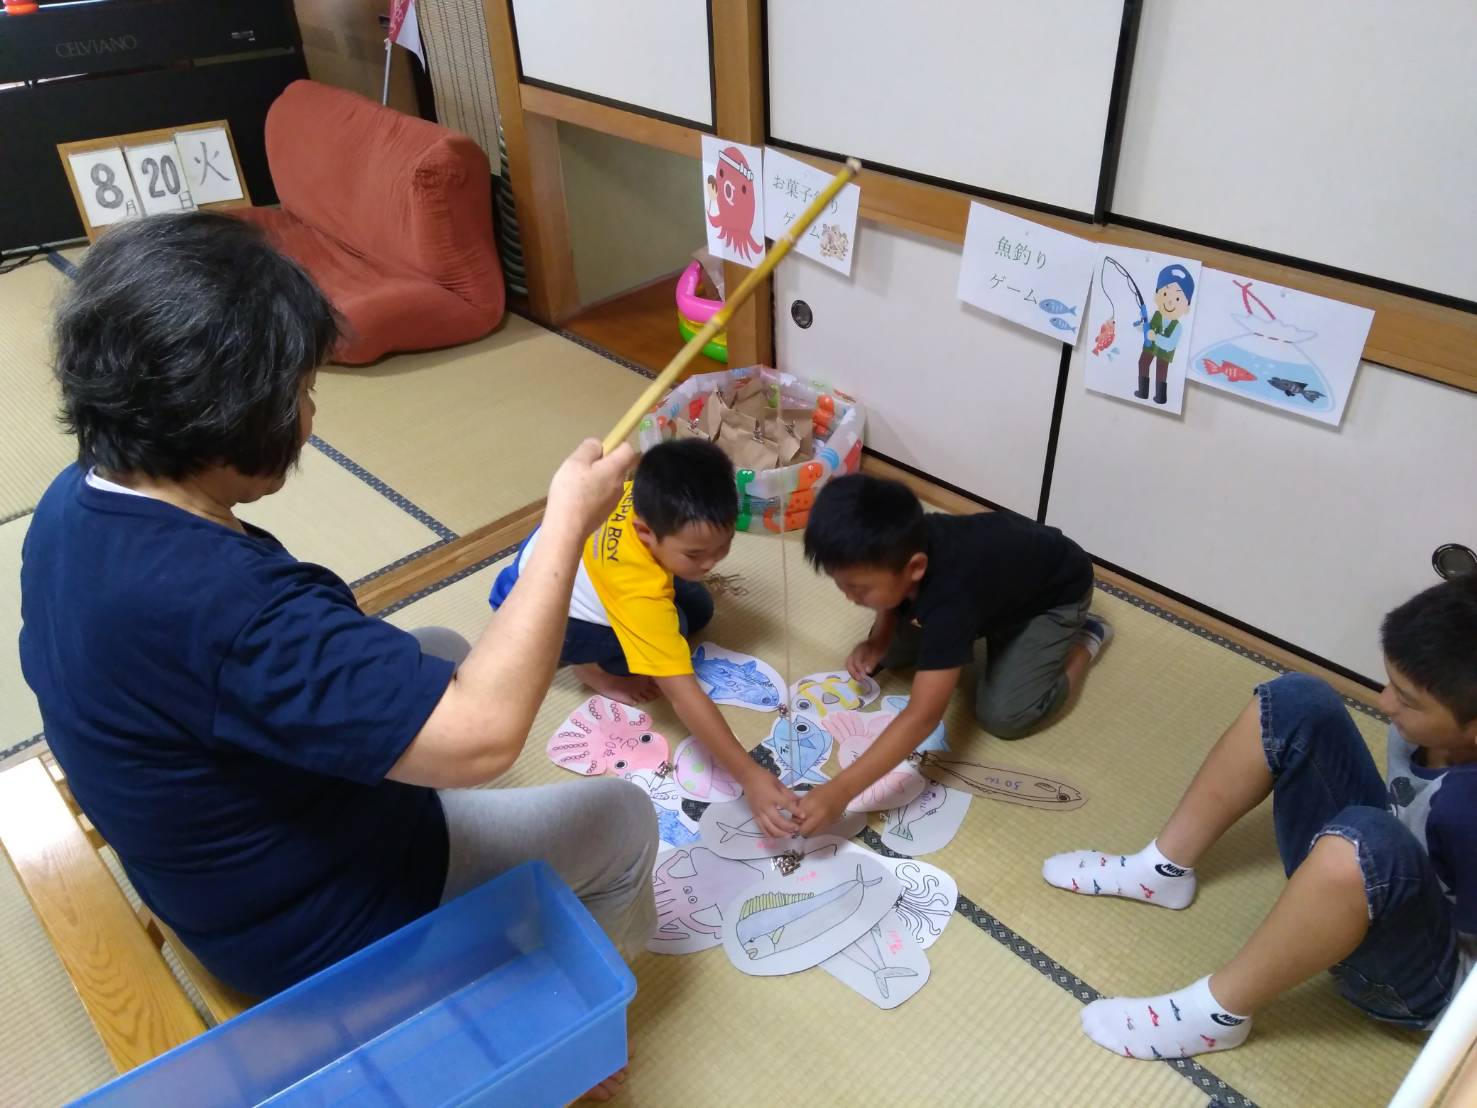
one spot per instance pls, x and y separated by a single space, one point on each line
599 835
1021 682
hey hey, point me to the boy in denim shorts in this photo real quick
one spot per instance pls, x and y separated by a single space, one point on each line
1382 873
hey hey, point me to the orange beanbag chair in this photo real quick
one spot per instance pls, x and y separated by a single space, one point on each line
391 215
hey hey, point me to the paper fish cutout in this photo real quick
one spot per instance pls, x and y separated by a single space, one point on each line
995 783
854 733
699 777
821 693
936 739
1233 372
729 830
692 887
886 965
737 679
928 895
673 826
607 737
799 748
928 822
1105 337
800 920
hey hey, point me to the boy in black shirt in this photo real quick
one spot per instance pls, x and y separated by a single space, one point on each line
938 583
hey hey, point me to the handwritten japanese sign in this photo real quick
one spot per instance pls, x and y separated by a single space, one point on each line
733 201
1026 272
210 168
789 187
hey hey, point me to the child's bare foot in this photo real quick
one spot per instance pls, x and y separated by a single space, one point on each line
607 1088
628 690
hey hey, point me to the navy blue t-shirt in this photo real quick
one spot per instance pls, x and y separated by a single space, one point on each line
226 716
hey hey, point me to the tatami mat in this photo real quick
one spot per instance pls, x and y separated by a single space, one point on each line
1153 705
474 433
32 445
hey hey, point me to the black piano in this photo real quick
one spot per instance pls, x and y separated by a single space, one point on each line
90 68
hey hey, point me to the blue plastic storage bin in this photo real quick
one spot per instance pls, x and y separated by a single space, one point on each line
509 995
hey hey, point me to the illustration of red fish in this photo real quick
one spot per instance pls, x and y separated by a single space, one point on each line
1104 338
1234 373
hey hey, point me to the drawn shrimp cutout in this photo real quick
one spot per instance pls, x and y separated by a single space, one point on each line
606 737
731 202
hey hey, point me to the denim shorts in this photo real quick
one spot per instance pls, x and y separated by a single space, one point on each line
1325 783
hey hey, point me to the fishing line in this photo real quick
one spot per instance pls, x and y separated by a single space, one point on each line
1132 287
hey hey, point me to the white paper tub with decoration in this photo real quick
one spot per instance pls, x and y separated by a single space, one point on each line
774 498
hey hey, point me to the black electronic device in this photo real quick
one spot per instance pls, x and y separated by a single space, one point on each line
89 69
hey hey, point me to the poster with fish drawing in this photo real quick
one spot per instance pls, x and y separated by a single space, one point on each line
1028 273
1012 786
699 777
741 680
818 693
789 187
886 965
926 823
692 887
729 830
1141 318
1277 346
733 201
800 920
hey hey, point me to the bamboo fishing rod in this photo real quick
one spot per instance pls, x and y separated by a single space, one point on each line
720 318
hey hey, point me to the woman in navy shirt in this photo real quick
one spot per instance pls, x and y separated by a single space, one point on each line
276 770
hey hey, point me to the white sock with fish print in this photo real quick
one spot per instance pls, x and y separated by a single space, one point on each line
1147 875
1175 1025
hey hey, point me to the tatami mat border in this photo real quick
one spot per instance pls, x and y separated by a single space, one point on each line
437 586
1050 968
400 500
1221 640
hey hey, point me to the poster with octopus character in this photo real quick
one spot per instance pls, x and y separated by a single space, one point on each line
733 200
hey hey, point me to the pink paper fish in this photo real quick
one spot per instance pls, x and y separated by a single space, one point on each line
854 733
606 737
699 777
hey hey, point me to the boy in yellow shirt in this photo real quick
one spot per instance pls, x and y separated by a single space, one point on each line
638 596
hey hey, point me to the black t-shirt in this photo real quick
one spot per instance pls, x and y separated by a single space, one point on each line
988 574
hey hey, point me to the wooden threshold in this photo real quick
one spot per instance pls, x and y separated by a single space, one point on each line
951 501
441 563
639 325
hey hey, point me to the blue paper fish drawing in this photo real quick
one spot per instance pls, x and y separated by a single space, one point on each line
771 922
672 831
1056 307
1061 324
800 753
742 683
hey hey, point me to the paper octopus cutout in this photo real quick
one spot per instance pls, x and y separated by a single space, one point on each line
731 202
607 737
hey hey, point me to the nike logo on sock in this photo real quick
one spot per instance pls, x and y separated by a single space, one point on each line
1165 869
1225 1019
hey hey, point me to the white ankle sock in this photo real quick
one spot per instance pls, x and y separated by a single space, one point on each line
1147 875
1175 1025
